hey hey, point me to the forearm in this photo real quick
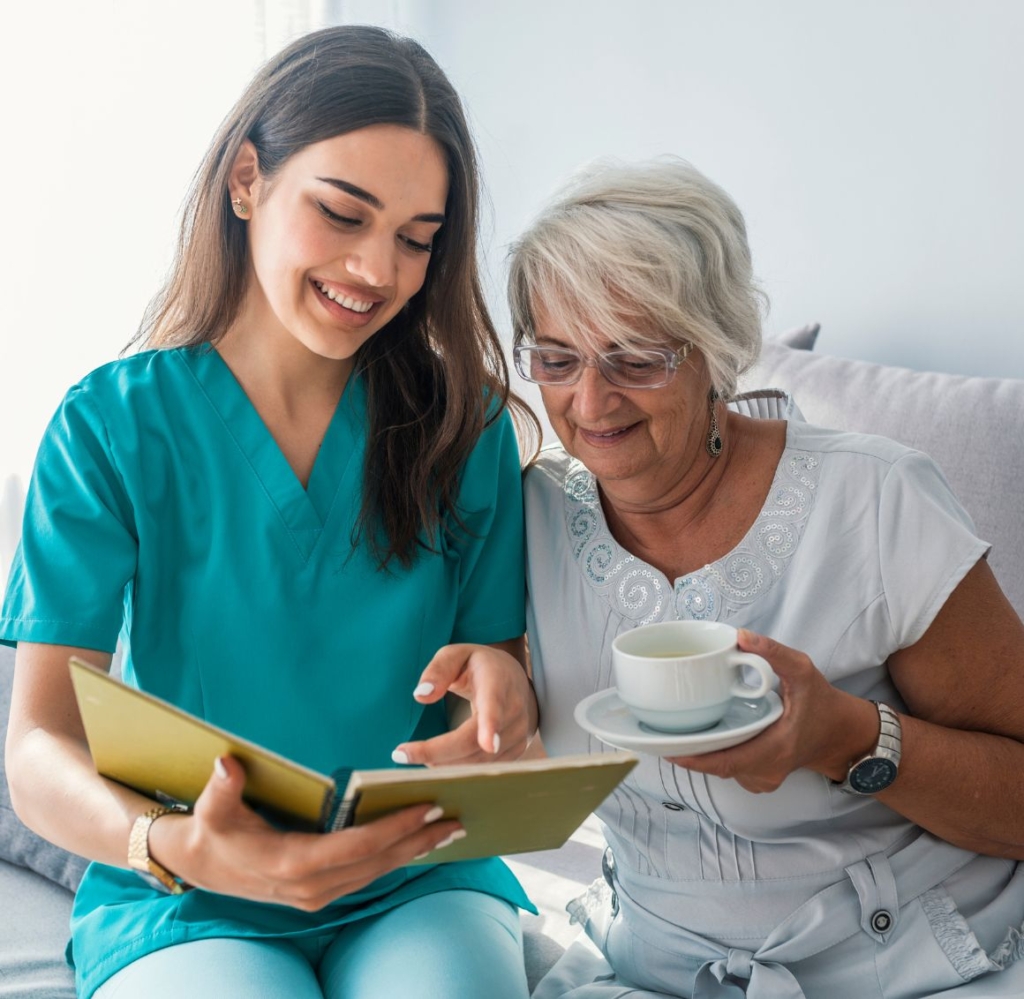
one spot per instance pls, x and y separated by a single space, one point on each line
963 742
964 787
56 792
55 789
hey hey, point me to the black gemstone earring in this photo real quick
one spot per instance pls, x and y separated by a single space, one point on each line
713 443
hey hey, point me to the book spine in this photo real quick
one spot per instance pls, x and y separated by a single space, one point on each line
338 809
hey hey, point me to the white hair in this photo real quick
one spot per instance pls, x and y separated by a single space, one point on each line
641 254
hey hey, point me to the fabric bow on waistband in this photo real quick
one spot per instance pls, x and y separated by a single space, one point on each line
767 978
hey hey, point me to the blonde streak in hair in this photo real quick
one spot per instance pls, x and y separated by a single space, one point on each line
585 308
592 294
519 297
730 303
653 283
529 433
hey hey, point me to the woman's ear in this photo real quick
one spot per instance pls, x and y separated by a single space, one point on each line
244 179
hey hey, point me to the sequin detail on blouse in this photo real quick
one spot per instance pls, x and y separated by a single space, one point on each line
633 587
638 591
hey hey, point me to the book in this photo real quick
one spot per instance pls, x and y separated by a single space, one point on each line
167 754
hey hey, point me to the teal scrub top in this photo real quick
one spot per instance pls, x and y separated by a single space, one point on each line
162 510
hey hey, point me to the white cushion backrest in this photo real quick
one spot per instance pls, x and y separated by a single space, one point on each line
972 427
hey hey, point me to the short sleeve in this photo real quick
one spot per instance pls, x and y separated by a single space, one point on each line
927 544
78 548
492 579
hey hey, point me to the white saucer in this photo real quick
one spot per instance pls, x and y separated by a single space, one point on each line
603 714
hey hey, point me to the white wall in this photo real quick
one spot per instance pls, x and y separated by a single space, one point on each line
108 107
876 149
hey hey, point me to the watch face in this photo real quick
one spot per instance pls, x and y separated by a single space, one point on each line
872 776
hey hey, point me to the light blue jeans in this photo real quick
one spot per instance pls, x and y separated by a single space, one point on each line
448 945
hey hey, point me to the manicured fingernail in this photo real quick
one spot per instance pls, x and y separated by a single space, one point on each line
433 815
496 743
423 689
219 769
420 856
400 756
457 835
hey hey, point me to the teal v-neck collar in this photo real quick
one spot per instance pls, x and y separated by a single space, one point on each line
305 512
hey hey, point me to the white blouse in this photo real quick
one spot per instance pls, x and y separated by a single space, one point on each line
858 546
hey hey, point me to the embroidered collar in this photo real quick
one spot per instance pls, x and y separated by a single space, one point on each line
641 593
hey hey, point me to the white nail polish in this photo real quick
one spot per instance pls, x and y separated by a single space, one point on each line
433 815
400 756
219 768
455 836
423 689
497 743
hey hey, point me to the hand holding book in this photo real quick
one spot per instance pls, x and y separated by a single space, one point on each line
226 847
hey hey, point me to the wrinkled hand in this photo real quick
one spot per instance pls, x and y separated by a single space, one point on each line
226 847
504 707
820 729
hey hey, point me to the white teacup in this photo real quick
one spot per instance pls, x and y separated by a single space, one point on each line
679 676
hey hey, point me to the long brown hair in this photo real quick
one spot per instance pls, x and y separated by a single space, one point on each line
436 375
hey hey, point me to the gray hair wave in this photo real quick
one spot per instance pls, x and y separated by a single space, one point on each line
642 254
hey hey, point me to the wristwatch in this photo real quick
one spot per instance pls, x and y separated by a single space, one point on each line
142 863
876 771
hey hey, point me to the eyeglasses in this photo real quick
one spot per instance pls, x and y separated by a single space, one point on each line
642 369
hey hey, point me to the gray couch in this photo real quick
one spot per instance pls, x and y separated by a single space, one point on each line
973 427
35 899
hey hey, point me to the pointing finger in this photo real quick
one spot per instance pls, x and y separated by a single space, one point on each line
441 672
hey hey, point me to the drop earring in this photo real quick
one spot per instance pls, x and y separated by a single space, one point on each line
240 209
713 443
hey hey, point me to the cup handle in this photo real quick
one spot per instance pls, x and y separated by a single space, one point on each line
768 677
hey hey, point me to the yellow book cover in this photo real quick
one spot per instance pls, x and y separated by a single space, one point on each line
167 754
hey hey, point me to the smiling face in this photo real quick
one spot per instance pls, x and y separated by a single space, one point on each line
641 440
340 237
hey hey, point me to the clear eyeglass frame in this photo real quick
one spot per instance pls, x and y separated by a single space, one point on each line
652 367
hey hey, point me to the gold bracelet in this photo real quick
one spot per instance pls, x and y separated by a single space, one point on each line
142 863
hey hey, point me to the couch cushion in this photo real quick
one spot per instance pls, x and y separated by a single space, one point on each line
800 338
34 918
972 427
18 844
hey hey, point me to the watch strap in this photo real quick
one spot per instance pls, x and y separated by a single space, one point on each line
890 736
888 747
142 863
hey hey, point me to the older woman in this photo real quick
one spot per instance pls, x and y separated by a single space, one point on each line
787 866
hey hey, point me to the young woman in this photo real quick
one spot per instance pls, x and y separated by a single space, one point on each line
290 508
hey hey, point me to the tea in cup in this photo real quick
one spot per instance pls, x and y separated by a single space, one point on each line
679 676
